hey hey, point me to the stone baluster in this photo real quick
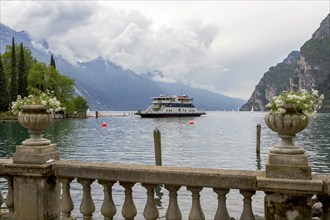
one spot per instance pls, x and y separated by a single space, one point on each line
66 203
129 210
196 212
1 199
108 208
10 195
87 206
247 213
173 210
150 211
222 212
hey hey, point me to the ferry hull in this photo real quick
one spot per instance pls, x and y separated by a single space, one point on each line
169 115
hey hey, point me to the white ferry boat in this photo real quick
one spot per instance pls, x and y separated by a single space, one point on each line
171 106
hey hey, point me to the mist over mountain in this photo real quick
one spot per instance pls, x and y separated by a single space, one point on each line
107 86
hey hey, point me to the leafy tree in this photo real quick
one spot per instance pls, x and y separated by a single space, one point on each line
80 104
29 60
22 74
52 61
4 94
13 75
42 78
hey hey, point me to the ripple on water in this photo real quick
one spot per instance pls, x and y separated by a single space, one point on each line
225 140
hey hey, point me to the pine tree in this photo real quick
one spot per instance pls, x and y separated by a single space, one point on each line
4 94
52 61
13 76
22 75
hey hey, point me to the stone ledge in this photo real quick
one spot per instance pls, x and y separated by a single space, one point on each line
289 185
325 178
283 171
182 176
30 170
35 154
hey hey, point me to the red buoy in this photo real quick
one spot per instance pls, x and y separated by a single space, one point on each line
191 122
104 124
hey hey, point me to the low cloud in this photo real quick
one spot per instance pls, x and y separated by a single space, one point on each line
219 46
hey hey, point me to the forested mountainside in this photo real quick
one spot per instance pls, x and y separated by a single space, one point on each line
307 68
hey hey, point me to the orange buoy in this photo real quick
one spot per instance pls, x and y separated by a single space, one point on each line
191 122
104 124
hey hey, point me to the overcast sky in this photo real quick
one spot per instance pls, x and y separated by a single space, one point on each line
223 46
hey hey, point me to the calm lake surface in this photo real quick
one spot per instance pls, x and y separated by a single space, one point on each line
224 140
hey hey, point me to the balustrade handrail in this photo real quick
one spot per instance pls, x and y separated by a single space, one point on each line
183 176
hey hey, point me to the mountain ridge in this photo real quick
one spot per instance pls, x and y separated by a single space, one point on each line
107 86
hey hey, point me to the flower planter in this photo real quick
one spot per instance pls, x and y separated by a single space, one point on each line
36 119
286 160
36 149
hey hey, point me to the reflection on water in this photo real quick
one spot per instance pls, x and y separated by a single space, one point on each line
225 140
11 134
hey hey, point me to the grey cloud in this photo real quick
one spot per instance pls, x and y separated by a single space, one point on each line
206 32
48 18
193 52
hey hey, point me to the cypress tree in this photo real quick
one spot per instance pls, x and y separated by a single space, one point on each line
13 75
52 61
4 94
22 75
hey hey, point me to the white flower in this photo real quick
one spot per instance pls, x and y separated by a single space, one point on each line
303 91
290 97
47 99
304 102
281 111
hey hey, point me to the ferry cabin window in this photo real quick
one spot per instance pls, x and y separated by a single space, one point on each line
182 105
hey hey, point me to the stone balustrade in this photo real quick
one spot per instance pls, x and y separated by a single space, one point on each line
40 184
62 173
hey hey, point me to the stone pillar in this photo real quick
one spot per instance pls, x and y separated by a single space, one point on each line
288 168
286 160
287 206
36 192
35 154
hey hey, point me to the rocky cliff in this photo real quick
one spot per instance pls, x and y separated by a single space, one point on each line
309 68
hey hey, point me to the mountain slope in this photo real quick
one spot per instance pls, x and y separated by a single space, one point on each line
107 86
275 80
311 69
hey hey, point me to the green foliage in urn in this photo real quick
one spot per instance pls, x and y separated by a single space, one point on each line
301 102
47 100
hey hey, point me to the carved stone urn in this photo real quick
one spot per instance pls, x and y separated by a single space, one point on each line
36 149
286 160
36 119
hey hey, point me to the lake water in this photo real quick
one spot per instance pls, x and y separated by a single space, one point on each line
225 140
